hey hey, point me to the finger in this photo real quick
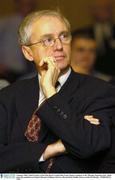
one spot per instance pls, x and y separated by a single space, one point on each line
91 119
96 123
41 62
56 74
49 60
88 116
52 61
46 60
42 73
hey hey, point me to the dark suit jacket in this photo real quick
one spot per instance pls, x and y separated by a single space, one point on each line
62 118
112 81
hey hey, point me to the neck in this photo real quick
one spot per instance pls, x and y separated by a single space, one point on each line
64 71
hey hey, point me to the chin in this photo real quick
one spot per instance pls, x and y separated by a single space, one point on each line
64 67
63 64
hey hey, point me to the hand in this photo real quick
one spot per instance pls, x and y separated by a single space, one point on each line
91 119
54 149
49 76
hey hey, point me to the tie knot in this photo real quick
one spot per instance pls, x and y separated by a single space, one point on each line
57 84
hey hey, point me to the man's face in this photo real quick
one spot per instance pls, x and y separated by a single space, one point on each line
45 28
83 53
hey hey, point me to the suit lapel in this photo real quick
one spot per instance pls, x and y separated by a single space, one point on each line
29 95
70 86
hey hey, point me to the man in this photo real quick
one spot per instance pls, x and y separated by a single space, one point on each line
64 135
83 53
103 29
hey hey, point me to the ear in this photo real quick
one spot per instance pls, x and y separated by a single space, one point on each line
27 53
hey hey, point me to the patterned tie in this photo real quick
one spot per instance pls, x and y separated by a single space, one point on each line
33 130
32 134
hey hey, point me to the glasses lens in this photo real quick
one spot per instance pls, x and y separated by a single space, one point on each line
48 42
65 37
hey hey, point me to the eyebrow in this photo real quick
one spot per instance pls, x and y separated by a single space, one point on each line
51 35
83 48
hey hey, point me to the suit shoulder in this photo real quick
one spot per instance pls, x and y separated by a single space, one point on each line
92 84
17 87
100 86
94 81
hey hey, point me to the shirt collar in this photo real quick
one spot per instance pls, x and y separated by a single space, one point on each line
62 79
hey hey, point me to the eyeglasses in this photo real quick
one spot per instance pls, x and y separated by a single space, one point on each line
49 41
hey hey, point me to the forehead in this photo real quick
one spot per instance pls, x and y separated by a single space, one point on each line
82 42
48 25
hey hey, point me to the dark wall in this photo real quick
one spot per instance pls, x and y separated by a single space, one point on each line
77 11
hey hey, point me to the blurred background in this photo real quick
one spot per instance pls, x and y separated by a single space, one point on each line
77 11
94 17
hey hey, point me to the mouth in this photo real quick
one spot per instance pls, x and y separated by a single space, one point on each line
60 57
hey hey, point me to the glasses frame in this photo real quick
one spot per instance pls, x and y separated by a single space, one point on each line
53 42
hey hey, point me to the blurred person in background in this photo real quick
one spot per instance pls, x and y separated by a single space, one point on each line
103 30
83 55
12 62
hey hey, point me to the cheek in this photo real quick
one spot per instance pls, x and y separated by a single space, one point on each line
91 57
36 58
39 55
67 50
45 53
79 56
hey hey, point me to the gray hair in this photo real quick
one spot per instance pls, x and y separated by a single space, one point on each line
25 27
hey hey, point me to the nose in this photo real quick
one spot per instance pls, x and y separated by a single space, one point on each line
58 44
